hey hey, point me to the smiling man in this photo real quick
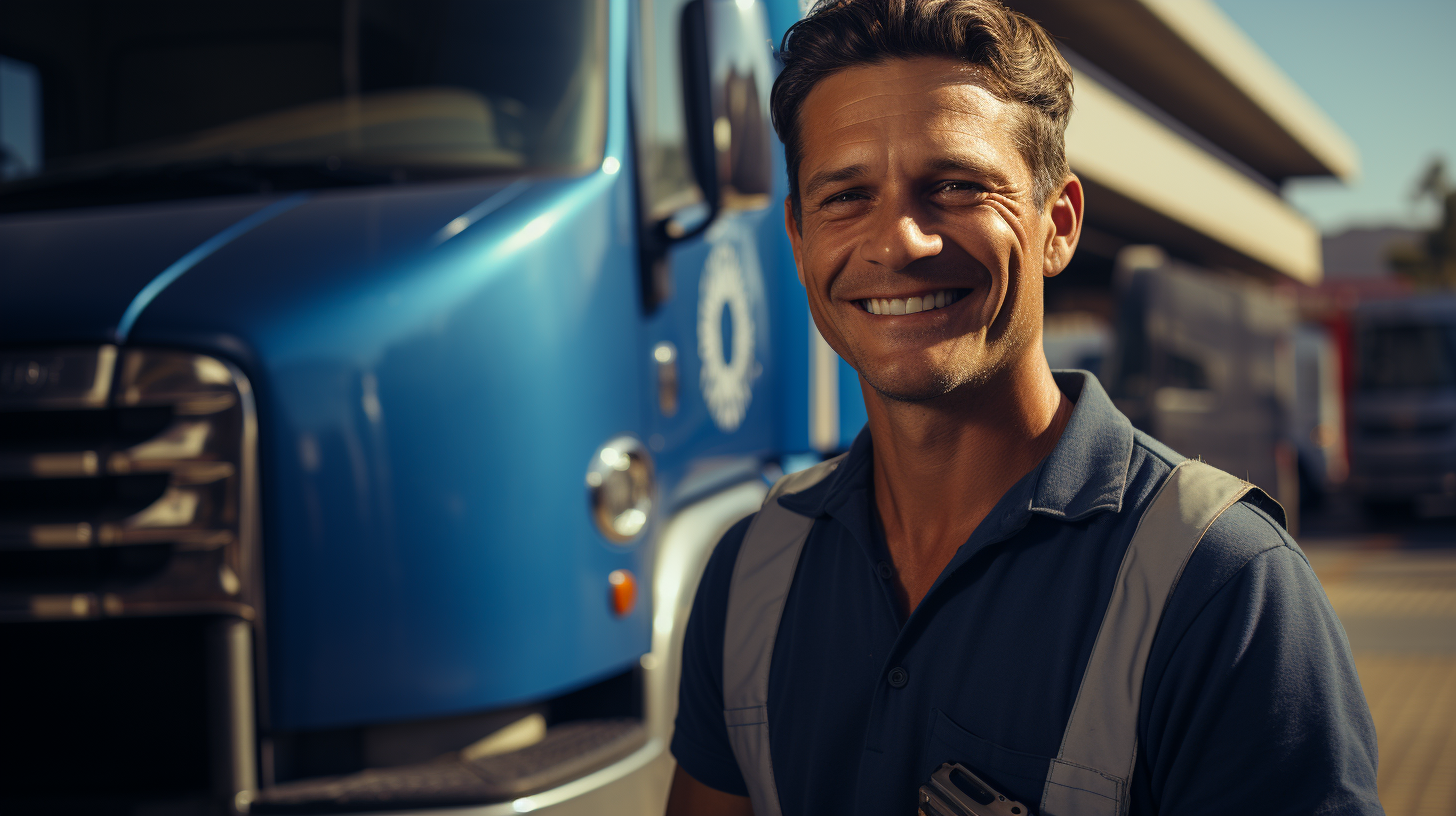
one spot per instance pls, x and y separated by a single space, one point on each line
957 588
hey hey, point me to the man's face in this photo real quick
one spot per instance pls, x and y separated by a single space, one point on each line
921 248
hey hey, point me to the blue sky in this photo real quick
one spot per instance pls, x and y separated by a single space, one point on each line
1385 73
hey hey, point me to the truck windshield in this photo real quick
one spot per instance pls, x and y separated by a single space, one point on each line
1408 356
104 102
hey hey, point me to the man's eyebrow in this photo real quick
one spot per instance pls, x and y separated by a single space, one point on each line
824 178
943 164
949 164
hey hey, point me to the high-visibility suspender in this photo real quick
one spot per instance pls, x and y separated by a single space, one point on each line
1090 775
760 586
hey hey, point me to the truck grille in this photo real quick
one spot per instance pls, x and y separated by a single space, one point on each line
126 485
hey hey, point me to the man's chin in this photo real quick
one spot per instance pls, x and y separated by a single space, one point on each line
924 386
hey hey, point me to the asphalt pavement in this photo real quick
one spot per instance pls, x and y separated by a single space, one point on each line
1392 581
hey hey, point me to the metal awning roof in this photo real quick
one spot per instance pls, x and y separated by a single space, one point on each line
1187 58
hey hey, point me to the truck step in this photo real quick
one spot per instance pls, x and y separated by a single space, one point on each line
568 751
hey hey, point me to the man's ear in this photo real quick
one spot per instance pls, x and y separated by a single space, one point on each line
795 239
1064 227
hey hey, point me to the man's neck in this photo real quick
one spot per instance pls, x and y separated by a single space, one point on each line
941 466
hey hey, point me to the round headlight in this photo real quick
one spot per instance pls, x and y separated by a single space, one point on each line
619 485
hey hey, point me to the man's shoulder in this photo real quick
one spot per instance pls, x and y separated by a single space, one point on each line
1244 553
718 574
1237 537
1242 543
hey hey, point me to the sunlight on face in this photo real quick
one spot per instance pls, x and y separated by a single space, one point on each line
920 246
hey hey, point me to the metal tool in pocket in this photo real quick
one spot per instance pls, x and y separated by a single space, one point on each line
954 791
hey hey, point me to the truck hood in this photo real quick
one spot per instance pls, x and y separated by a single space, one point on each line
432 366
84 276
70 274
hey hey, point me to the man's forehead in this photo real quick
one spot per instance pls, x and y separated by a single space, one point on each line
932 112
923 87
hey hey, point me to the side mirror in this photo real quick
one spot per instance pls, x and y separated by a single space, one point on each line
727 76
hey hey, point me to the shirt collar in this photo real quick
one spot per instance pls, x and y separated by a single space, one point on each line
1085 473
1087 470
852 475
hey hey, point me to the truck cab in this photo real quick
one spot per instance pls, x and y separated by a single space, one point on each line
375 380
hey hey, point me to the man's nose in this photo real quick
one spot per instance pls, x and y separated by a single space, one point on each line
898 239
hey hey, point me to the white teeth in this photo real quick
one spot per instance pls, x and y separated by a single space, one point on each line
904 306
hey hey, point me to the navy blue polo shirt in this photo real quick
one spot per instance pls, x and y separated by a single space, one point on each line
1250 702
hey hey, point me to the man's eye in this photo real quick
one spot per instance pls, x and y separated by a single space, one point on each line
848 195
960 187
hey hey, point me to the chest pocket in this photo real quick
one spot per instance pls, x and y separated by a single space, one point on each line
1018 775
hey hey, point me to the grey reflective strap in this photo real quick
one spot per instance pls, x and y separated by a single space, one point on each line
760 587
1091 773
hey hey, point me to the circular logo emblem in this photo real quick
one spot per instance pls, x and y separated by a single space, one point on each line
727 374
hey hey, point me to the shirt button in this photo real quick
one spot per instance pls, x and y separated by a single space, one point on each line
883 568
899 677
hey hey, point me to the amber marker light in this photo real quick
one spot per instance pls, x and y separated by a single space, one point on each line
624 591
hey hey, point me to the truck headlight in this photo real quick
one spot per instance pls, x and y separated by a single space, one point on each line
619 483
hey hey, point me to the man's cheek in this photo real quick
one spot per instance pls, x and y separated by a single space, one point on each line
996 246
1009 232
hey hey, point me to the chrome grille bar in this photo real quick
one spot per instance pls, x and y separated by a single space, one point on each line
145 453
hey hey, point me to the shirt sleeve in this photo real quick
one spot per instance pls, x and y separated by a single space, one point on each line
1252 703
700 740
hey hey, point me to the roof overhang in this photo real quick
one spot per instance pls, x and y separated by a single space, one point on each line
1150 183
1190 60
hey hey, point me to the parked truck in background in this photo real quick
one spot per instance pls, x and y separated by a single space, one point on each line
1403 404
375 378
1207 365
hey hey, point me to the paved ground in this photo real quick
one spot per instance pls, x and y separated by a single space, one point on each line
1393 584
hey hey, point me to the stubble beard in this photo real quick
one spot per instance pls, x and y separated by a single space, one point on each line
966 372
924 383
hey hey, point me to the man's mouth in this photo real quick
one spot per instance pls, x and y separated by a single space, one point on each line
912 305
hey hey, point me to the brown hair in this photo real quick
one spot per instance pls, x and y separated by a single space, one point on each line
1022 65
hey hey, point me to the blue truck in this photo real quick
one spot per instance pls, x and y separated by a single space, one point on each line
375 378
